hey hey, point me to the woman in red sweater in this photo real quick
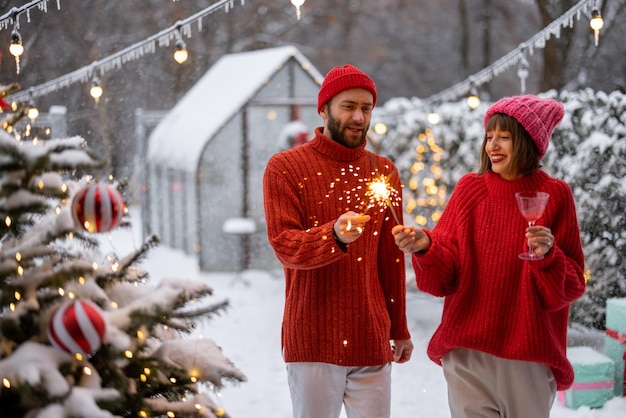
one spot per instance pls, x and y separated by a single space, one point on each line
503 333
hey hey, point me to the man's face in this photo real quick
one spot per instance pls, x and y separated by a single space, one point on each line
347 116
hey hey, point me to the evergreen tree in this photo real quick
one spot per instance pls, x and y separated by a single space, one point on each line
589 152
141 361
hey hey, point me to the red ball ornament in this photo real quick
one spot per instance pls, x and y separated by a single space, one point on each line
77 327
98 208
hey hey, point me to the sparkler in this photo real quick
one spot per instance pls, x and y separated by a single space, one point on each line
380 193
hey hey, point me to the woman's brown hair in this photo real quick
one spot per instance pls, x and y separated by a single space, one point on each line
525 158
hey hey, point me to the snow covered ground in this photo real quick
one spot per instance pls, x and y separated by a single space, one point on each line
249 334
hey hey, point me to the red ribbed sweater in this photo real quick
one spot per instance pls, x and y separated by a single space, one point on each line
495 302
342 306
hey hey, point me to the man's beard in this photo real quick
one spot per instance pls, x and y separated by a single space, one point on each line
338 132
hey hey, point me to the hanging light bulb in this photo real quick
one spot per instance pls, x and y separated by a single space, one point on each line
298 4
522 73
473 100
32 112
96 89
181 54
596 24
16 48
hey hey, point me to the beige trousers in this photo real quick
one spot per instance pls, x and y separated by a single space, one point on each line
318 390
484 386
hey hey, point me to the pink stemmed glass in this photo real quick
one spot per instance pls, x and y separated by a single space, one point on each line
531 205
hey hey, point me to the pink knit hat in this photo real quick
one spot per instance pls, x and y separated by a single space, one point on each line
343 78
538 116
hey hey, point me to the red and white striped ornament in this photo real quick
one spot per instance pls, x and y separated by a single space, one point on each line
77 327
98 208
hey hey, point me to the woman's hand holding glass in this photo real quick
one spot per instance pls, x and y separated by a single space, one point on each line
540 240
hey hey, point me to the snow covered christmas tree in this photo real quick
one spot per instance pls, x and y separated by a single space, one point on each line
83 333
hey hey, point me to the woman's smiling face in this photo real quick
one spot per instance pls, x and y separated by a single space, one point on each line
499 148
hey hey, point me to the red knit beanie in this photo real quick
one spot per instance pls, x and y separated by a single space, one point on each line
538 116
343 78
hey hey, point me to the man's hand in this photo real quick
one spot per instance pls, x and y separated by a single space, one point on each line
350 226
402 350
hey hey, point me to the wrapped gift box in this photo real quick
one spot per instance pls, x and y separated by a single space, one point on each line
593 379
615 340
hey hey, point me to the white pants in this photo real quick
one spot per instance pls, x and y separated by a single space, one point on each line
318 390
484 386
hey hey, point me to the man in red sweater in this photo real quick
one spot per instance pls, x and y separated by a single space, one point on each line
345 318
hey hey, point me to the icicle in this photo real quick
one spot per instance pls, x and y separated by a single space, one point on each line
522 73
297 3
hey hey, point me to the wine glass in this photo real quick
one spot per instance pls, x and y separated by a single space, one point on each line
531 205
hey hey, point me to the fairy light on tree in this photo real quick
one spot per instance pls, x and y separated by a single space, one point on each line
426 195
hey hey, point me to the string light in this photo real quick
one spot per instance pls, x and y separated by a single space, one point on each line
9 17
488 73
131 53
147 46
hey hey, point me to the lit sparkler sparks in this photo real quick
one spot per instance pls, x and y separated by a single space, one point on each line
381 193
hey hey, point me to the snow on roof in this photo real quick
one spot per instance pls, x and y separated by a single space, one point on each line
179 138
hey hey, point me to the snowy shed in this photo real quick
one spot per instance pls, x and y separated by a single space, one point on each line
206 158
